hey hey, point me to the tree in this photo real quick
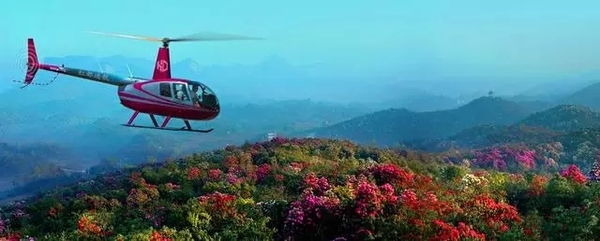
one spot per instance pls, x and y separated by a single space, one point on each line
594 173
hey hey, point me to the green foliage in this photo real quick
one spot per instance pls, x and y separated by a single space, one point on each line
312 189
383 127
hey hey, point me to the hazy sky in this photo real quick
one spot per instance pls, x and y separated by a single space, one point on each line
437 37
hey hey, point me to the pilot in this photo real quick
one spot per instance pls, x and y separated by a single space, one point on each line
195 95
195 90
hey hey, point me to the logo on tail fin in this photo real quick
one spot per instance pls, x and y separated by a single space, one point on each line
31 63
162 65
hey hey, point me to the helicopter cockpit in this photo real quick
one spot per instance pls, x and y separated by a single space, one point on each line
190 92
202 96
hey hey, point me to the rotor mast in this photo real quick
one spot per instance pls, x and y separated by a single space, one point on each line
165 42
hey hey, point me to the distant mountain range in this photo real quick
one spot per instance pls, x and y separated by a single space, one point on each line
545 126
393 126
564 118
588 96
479 122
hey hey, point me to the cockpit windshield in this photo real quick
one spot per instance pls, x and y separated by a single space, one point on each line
202 96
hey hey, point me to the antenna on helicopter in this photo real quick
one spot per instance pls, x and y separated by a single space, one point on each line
99 65
129 70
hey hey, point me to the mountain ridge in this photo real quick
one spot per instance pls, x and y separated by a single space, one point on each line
407 125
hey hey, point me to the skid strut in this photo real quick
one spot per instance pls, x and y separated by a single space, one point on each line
163 125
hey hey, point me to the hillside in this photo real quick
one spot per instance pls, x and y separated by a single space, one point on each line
588 96
311 189
544 126
420 101
564 118
20 163
392 126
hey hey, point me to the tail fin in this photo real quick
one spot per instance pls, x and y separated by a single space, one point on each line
162 68
32 62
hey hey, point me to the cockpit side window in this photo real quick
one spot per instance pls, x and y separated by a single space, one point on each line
181 92
165 90
196 97
202 96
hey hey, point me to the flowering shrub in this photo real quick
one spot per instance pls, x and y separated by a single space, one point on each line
501 158
311 189
573 173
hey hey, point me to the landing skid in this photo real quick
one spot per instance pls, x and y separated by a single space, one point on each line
187 126
169 128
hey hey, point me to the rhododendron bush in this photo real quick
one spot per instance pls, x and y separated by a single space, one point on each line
311 189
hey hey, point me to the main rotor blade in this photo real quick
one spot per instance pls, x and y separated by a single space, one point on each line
128 36
212 36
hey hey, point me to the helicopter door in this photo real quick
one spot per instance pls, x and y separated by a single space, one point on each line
181 93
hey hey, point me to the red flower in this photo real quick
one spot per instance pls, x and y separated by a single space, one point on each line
215 174
446 232
467 232
574 173
193 173
496 214
85 226
157 236
220 203
390 173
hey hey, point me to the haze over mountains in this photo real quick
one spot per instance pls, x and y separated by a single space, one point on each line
83 118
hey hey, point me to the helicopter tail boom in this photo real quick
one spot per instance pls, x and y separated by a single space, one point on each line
33 66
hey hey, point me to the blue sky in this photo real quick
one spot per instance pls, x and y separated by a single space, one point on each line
438 37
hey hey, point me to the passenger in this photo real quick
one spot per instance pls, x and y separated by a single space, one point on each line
180 94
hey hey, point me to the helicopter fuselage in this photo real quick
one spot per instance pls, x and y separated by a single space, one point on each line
171 97
178 98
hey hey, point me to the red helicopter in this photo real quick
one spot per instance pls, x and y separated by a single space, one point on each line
160 96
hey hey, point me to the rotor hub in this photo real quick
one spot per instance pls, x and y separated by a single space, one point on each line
165 42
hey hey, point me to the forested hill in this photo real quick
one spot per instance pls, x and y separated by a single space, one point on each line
24 162
392 126
314 189
587 96
564 118
560 123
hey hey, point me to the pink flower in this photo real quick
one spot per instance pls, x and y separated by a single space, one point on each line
263 171
232 178
368 200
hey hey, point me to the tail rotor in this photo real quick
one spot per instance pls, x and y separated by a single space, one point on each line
33 65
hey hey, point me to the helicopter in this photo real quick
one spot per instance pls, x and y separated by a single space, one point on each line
162 95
